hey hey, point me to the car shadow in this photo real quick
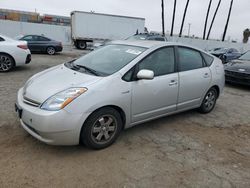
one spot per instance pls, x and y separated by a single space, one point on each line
133 131
238 86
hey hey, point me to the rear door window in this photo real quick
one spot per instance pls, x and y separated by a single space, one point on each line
189 59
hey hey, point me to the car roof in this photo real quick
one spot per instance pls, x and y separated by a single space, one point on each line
145 43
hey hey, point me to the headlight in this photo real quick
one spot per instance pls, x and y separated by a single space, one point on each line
62 99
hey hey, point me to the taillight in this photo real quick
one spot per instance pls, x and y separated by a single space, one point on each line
23 46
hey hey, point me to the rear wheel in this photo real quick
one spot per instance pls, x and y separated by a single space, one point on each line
6 63
51 50
81 45
209 101
102 128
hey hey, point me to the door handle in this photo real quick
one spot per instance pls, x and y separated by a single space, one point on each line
173 82
206 75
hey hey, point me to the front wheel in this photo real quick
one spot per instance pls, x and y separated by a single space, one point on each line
51 50
101 129
209 101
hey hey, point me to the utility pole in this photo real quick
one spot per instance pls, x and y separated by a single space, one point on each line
162 17
228 18
218 6
205 27
183 19
189 27
173 19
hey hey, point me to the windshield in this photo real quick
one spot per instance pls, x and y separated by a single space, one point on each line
109 59
245 56
222 50
137 37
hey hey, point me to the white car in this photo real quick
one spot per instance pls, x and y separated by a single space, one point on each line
13 53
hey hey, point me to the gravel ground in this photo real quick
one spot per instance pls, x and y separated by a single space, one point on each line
184 150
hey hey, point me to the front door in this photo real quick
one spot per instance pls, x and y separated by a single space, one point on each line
153 98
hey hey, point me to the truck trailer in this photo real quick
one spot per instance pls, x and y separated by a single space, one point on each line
87 27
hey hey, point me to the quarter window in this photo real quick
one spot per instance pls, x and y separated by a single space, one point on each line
161 62
208 59
189 59
1 39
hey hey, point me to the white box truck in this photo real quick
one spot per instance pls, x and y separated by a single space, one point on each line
87 27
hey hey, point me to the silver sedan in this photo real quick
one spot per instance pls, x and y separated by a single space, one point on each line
92 99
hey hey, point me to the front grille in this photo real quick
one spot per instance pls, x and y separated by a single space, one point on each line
32 129
31 102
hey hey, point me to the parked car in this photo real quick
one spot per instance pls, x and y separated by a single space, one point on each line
43 44
147 36
226 54
92 99
13 53
238 71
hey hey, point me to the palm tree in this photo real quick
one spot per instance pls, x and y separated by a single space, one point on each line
183 19
205 27
228 18
162 17
173 19
218 6
246 35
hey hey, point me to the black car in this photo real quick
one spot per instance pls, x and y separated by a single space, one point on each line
147 36
238 71
226 54
43 44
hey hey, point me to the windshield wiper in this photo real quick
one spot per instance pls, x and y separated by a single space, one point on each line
94 72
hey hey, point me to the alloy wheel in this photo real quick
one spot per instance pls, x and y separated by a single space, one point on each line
104 129
5 63
210 100
51 50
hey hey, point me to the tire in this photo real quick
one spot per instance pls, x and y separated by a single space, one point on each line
6 62
101 129
209 101
82 45
51 50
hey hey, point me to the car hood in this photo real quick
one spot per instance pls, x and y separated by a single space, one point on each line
56 79
238 65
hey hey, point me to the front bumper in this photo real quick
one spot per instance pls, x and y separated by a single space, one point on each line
237 77
50 127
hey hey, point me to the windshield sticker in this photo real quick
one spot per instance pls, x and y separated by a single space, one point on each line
134 52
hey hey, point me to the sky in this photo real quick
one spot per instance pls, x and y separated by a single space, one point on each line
151 10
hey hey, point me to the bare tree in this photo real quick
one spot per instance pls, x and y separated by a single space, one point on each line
246 35
162 17
205 27
228 18
173 19
183 19
212 23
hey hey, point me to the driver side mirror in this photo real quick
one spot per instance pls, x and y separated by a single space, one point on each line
145 74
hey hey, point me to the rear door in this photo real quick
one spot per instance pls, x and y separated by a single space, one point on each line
42 43
152 98
194 78
31 43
